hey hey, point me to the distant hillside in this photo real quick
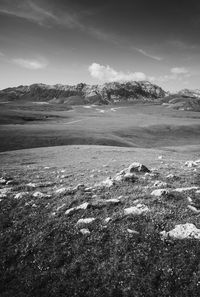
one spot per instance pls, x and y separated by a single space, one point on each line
183 100
83 93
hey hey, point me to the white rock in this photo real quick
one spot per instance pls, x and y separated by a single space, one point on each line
60 207
38 194
191 164
79 187
136 210
160 157
112 201
183 231
189 199
85 231
180 190
132 231
70 210
171 176
85 221
107 220
31 185
160 192
2 181
108 182
197 192
62 190
159 184
194 209
82 206
21 195
4 192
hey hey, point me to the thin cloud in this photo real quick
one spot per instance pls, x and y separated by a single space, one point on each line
43 16
179 70
176 73
108 74
30 64
148 55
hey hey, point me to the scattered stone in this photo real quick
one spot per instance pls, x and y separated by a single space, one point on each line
2 181
4 192
85 221
137 167
82 206
108 183
105 202
85 231
160 192
160 184
194 209
180 190
60 207
39 195
64 190
10 182
183 231
132 231
136 210
171 176
79 187
107 220
189 199
31 185
21 195
129 177
191 164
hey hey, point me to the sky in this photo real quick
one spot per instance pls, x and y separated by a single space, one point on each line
93 41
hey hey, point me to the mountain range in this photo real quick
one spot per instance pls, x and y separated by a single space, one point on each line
108 93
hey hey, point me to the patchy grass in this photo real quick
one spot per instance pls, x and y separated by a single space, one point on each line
43 252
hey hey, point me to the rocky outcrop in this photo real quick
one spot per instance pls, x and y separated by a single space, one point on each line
83 93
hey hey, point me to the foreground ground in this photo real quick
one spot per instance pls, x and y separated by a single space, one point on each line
44 252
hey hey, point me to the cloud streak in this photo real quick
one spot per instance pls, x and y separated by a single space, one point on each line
108 74
29 63
45 16
141 51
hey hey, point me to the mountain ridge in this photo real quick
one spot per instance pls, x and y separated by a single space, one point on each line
84 93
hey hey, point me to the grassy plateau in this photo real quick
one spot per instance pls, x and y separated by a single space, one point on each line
53 161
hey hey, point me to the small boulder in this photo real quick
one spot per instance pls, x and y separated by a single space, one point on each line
4 192
21 195
180 190
191 164
108 182
85 231
130 231
39 195
2 181
183 231
85 221
160 184
138 167
136 210
160 192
